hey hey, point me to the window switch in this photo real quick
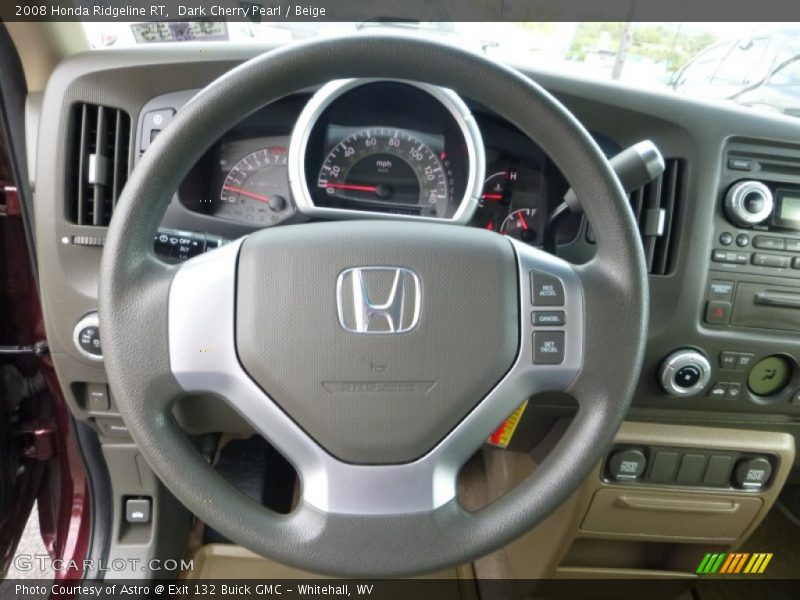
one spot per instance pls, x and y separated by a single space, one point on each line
137 510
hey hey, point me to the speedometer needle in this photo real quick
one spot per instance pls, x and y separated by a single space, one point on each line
348 186
242 192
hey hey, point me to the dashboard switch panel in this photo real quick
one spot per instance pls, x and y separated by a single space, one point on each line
696 467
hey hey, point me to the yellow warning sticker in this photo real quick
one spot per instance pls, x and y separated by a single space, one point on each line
503 434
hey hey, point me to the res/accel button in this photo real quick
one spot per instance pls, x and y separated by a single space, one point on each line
546 290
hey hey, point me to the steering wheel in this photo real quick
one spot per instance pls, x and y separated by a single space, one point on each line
256 324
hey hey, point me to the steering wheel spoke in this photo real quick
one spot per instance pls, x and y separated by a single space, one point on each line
204 360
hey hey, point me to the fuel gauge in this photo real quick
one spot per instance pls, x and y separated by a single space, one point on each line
520 224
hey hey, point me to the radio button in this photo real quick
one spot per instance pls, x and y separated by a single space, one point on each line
796 263
793 245
740 164
769 243
742 240
730 257
771 260
725 238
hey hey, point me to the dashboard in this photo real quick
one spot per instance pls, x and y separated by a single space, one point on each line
395 150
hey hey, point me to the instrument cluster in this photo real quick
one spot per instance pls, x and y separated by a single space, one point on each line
386 149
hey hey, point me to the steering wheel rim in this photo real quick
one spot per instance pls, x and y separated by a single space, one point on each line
135 290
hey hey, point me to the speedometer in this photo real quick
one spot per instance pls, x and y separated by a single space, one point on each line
390 149
387 166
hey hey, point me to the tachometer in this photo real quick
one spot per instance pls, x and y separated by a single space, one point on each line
253 188
387 166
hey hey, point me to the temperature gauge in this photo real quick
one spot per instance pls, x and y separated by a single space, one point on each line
520 224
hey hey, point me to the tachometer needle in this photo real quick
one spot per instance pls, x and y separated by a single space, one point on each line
258 197
348 186
492 197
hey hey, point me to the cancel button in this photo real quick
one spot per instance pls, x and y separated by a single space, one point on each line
548 318
548 347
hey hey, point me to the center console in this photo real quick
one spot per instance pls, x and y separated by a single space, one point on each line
752 289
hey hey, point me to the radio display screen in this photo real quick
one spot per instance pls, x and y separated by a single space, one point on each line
788 209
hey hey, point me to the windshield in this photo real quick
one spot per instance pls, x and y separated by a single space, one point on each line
729 62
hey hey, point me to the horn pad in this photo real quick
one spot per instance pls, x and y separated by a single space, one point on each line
377 337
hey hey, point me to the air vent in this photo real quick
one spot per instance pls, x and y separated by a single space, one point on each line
100 156
655 207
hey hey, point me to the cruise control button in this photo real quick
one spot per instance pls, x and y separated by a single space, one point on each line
548 347
546 290
548 318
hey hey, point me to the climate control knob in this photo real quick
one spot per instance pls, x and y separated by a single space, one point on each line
748 203
685 372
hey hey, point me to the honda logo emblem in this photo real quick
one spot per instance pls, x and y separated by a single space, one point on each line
378 299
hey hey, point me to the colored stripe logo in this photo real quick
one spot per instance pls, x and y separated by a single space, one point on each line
725 563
